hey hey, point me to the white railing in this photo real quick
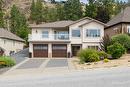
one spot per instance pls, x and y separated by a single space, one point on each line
50 37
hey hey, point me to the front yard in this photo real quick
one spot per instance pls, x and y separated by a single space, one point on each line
123 61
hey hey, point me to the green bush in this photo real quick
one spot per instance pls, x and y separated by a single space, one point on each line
116 50
6 61
123 39
106 60
103 54
88 55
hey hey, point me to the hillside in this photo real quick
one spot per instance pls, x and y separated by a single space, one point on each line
23 5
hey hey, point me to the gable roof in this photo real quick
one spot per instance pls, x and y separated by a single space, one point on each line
123 16
63 24
93 20
8 35
57 24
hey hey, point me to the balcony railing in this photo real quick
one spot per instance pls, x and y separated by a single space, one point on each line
49 37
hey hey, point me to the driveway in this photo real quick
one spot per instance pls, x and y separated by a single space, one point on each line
35 66
18 57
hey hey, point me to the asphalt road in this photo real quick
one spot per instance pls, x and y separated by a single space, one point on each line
20 56
115 77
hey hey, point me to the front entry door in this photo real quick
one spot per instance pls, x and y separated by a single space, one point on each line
75 49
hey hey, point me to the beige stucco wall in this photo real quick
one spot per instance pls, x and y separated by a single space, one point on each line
11 45
77 40
93 25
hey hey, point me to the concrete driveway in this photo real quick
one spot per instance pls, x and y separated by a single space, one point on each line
35 66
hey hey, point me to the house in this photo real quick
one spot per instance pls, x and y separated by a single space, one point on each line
10 43
120 24
65 38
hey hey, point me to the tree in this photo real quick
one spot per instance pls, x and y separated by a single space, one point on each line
18 23
33 11
91 9
73 10
1 14
104 10
39 11
53 1
60 12
50 15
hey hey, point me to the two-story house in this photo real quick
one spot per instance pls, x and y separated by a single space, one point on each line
65 38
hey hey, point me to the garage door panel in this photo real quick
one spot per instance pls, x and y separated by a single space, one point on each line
59 50
40 50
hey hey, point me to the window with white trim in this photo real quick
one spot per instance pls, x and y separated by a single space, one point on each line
45 34
76 33
93 33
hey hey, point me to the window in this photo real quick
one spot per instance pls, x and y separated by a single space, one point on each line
4 41
93 33
45 34
128 29
93 47
76 33
62 35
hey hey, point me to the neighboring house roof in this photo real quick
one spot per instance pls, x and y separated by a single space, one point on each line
63 24
123 16
57 24
8 35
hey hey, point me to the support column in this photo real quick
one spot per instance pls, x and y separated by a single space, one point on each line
69 52
50 50
30 50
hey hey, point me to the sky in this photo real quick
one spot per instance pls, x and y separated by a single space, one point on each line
86 0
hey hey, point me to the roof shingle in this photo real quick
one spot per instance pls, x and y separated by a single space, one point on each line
6 34
124 16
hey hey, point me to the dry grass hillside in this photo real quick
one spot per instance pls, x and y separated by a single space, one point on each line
23 5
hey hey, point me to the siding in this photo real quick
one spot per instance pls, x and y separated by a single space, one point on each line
11 45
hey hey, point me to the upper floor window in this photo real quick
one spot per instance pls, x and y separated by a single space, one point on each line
93 33
76 33
45 34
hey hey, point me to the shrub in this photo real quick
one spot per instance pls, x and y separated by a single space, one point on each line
106 41
106 60
116 50
123 39
103 54
88 55
6 61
